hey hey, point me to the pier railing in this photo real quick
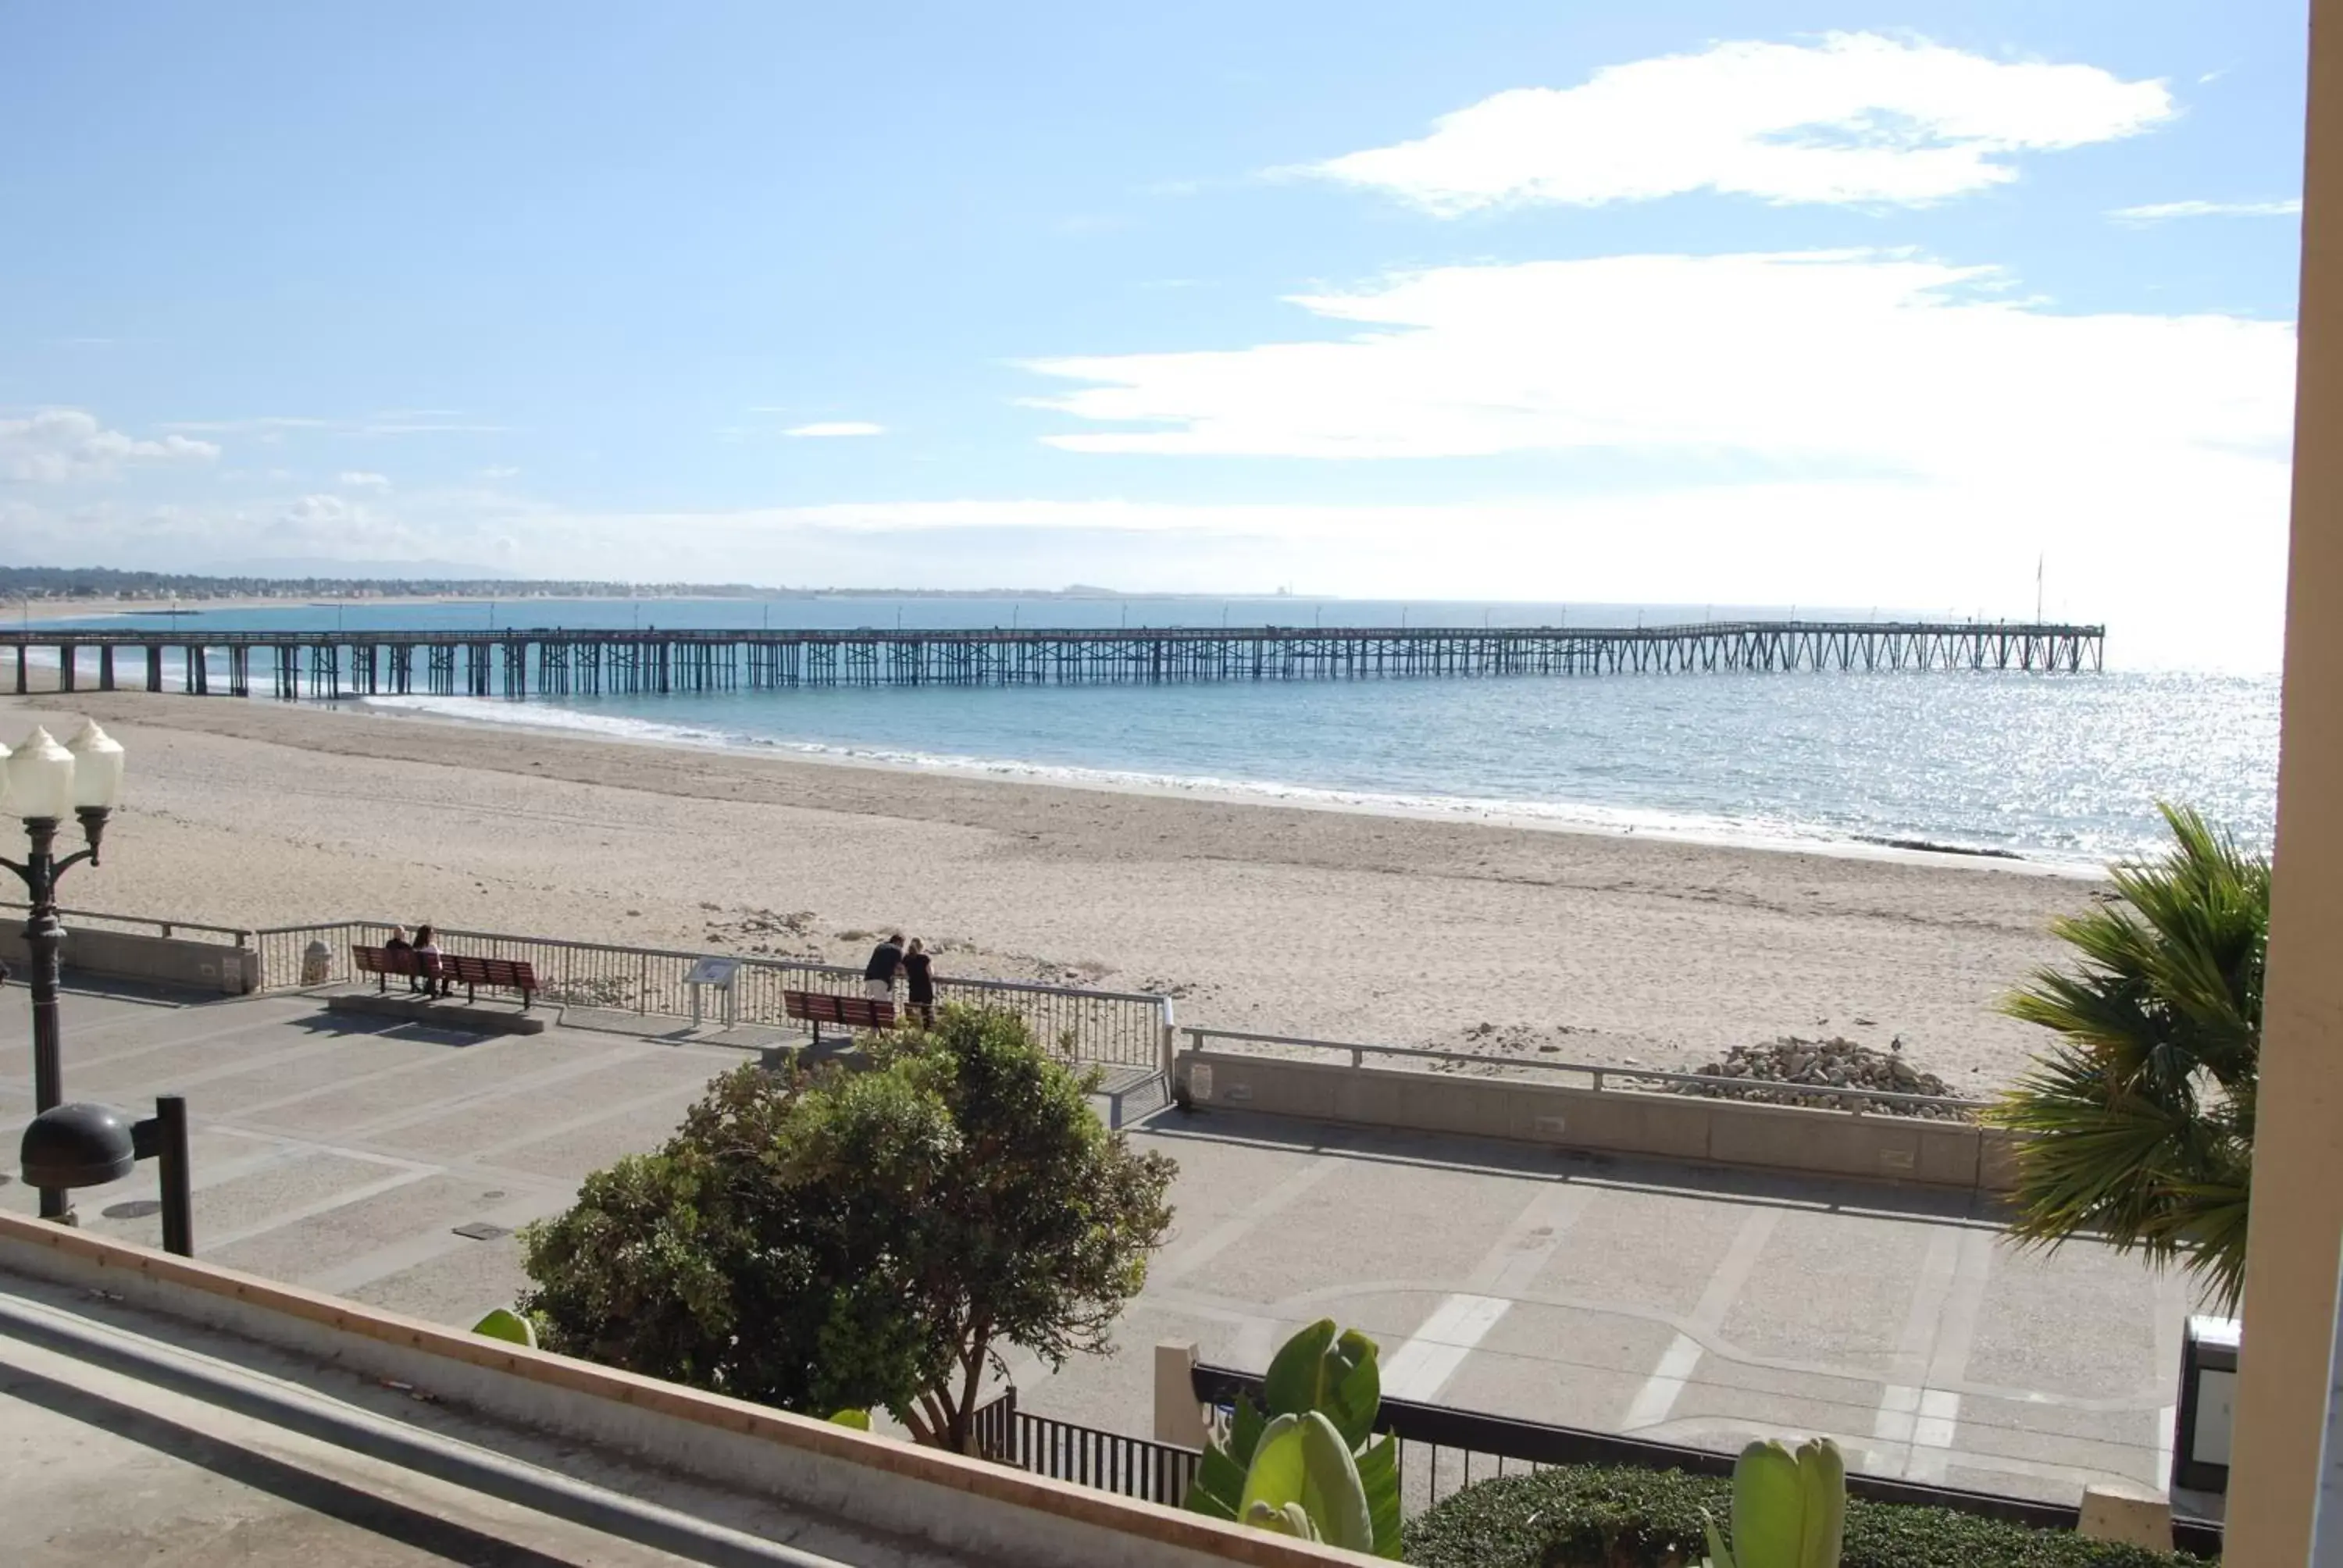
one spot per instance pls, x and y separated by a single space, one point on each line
1122 1029
556 661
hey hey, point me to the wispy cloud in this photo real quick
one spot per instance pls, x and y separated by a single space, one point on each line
821 429
500 471
259 426
2159 212
360 479
389 422
1853 118
56 444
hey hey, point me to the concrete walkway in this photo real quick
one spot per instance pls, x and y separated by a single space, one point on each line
391 1163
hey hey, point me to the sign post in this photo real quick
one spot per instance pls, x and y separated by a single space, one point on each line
717 973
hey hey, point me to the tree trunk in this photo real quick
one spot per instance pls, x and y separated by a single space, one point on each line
971 1360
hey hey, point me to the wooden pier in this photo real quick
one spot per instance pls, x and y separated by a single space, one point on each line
549 661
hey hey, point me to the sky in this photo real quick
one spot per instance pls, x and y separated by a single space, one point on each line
1763 303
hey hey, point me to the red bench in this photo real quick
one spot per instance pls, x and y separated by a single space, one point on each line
817 1008
451 969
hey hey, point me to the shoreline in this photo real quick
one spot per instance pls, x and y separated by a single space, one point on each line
1464 812
1509 941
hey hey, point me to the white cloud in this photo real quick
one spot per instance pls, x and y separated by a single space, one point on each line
1856 117
501 471
2158 211
835 427
1863 361
60 444
359 479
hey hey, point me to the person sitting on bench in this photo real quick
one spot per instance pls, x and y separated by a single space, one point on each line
427 955
394 947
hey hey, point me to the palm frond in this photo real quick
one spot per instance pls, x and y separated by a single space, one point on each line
2142 1115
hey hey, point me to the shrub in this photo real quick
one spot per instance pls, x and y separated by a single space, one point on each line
1594 1516
851 1240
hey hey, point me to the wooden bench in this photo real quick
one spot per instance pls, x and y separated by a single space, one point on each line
451 969
817 1008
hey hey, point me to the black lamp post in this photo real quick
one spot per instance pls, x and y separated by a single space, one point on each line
69 1146
40 781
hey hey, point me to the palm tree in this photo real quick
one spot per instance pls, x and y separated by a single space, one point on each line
2143 1112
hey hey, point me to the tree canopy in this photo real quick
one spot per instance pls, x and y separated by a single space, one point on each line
861 1238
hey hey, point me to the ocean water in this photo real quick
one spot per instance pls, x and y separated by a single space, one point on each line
2064 768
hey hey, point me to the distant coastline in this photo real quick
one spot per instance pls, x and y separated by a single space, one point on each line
53 592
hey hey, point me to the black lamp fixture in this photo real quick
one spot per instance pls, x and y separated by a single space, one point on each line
84 1145
41 782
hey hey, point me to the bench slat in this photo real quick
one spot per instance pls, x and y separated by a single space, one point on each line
847 1012
472 971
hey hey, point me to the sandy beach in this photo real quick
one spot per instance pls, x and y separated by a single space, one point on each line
1330 924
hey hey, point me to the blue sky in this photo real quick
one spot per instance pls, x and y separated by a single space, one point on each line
1759 302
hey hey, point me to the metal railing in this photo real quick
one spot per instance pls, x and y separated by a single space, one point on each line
1112 1029
1441 1450
140 924
1854 1100
1108 1461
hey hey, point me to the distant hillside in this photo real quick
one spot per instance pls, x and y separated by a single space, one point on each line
368 580
106 582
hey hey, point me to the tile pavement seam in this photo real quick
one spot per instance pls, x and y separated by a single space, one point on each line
425 1110
397 1070
209 1247
1709 1343
1657 1396
1896 1420
1257 1327
1936 1420
1455 1327
429 1244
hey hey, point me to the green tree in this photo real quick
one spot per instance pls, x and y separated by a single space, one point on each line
2143 1111
852 1240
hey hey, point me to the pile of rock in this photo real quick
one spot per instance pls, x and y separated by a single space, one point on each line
1773 1073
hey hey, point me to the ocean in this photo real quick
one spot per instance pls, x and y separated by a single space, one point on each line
2059 769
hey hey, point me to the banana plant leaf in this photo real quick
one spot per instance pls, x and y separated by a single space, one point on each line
504 1323
1333 1372
1219 1487
1379 1479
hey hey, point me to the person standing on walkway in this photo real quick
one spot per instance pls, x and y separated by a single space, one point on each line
878 974
919 982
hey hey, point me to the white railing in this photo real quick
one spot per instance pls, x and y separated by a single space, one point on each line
1112 1029
1852 1099
140 924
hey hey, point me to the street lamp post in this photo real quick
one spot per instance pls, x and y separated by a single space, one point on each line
40 781
71 1146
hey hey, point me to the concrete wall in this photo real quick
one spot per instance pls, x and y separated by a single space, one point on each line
2297 1203
165 961
1674 1127
963 1505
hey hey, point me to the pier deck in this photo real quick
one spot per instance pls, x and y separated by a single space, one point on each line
554 661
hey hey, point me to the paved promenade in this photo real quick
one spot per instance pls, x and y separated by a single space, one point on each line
390 1163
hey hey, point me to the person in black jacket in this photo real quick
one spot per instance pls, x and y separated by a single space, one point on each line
395 948
878 974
